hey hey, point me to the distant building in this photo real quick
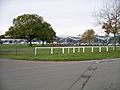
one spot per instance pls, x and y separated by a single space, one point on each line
66 40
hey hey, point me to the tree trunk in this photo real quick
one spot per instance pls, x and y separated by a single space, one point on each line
30 42
89 42
115 41
43 43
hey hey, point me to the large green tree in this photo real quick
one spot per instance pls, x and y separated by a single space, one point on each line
46 33
30 26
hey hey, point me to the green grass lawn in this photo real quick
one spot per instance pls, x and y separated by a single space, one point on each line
24 52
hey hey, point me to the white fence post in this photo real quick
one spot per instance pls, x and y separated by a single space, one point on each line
51 50
35 51
83 49
99 49
107 48
113 48
92 49
73 49
63 50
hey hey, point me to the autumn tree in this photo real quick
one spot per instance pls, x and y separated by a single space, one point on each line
30 26
109 18
88 35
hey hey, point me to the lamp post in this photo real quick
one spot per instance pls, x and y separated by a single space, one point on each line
79 38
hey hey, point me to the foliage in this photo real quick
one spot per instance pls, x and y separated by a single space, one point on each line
88 35
47 33
30 26
109 18
2 36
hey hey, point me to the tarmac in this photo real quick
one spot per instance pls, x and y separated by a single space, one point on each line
74 75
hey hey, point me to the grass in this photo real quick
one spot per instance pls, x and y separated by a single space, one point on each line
24 52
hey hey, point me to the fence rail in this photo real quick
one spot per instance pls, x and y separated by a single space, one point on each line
74 49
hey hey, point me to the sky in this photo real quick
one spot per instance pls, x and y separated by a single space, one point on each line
67 17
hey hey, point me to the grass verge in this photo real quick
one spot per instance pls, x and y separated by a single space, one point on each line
27 53
66 57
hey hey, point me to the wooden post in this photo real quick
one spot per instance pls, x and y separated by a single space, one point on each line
83 49
63 50
107 48
73 50
35 51
92 49
113 48
99 49
51 50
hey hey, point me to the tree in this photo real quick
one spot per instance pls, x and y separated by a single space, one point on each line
30 26
1 37
88 35
109 18
47 33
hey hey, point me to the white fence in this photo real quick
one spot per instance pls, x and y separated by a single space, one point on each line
73 49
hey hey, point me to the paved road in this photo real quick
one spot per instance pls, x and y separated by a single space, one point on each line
88 75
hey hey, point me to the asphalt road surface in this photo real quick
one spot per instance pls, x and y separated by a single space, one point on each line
88 75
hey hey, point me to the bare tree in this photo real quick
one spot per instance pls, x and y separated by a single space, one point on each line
109 18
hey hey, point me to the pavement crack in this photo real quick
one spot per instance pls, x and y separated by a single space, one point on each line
85 83
86 75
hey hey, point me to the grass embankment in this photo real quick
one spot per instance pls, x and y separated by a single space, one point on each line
24 52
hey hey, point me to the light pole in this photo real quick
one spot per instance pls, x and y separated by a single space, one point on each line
79 38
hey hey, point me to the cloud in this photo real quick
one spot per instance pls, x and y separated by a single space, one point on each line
65 16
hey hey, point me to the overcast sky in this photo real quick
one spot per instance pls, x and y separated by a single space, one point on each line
67 17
